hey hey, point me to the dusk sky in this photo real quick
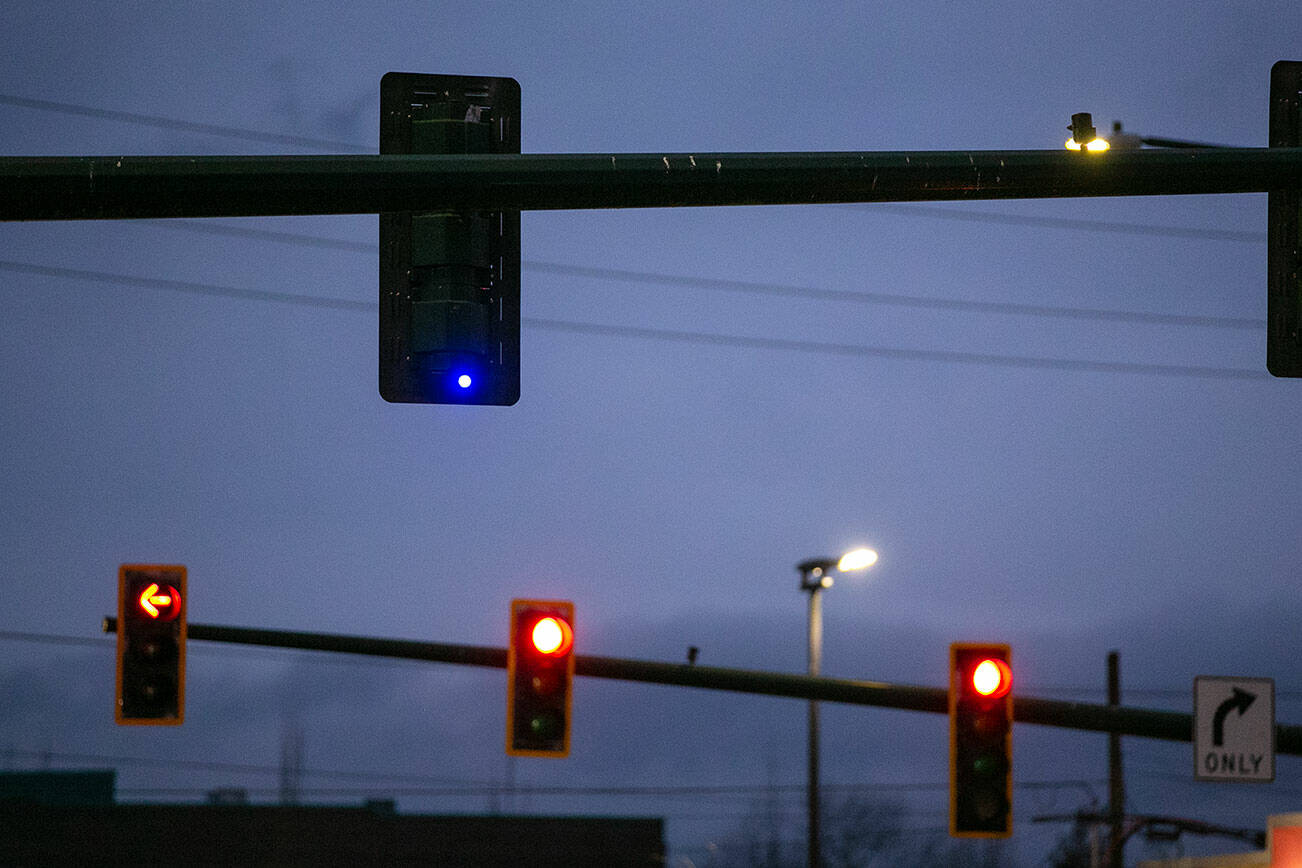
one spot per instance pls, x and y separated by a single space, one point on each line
981 392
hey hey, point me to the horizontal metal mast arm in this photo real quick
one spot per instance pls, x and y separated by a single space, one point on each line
1147 723
82 188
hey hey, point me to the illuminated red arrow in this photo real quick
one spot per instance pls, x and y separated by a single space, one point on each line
152 598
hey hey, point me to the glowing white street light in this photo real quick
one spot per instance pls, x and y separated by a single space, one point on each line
859 559
815 575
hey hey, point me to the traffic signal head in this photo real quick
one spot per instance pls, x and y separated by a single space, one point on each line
449 280
151 645
980 740
539 674
1284 230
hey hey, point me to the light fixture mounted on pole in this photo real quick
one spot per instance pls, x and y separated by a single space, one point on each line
1083 135
815 576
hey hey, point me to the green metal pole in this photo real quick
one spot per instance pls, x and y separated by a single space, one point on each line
1143 722
82 188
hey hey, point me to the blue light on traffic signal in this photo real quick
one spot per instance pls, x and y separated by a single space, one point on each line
449 279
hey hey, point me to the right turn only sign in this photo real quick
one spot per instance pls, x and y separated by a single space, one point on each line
1234 729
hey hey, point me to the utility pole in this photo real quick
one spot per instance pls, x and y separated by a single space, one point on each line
814 831
1116 781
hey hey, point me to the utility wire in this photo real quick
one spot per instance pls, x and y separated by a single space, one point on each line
674 336
50 639
1191 232
188 287
684 791
178 125
242 768
895 353
774 289
441 786
949 304
108 643
941 212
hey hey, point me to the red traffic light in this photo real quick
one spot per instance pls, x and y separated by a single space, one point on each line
539 674
980 740
158 602
552 635
150 682
992 678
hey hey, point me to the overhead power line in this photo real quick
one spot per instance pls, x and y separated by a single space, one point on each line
229 767
107 644
675 336
913 301
178 125
687 790
430 785
187 287
1071 223
753 287
51 639
896 353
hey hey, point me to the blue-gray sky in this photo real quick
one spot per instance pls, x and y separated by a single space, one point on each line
667 487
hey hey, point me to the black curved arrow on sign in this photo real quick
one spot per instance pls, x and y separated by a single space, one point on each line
1240 700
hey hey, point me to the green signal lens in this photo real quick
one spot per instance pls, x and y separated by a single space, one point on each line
986 764
544 726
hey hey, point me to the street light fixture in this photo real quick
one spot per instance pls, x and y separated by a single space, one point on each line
815 576
1083 134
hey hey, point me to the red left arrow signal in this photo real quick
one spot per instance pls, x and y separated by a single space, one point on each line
160 602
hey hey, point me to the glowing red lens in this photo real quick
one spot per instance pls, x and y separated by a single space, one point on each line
159 602
992 678
552 636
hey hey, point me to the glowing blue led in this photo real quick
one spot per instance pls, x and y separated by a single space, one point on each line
464 381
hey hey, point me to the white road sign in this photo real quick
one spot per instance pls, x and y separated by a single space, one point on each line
1234 729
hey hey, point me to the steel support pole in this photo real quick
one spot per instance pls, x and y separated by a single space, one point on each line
815 670
1142 722
1116 781
82 188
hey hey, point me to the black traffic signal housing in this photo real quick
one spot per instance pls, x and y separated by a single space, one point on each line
539 678
449 279
1284 230
151 645
980 740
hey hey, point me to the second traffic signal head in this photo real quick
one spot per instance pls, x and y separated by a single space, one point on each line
1284 230
151 631
449 280
980 740
540 672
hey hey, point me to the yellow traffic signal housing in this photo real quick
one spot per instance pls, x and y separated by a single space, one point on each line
980 740
150 685
539 677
